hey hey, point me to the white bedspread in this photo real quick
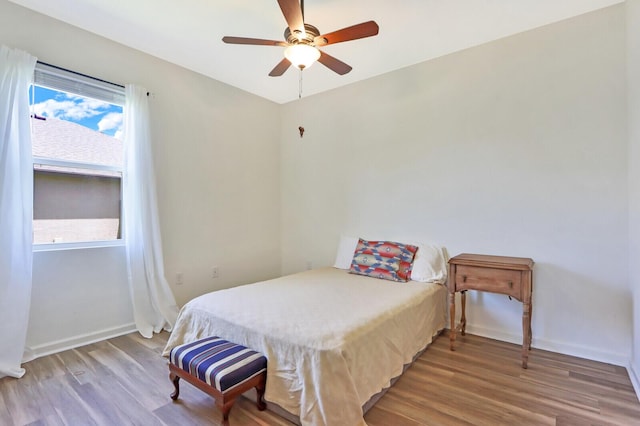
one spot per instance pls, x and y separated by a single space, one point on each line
332 339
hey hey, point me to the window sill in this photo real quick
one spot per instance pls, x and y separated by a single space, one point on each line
77 246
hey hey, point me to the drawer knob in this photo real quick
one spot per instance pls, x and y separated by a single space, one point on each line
464 278
510 284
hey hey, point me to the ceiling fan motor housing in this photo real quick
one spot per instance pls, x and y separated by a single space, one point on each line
311 33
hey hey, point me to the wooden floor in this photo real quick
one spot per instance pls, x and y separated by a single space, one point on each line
124 381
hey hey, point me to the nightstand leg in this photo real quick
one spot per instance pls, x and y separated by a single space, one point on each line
452 320
463 320
526 331
530 333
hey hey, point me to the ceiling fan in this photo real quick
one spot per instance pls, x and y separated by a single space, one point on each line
303 40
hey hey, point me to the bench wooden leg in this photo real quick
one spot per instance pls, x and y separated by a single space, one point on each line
175 379
226 409
260 394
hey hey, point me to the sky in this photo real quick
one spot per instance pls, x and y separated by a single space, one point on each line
92 113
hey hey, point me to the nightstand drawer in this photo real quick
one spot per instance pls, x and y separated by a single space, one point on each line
488 279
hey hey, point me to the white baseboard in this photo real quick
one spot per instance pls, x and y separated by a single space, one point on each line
558 347
635 378
81 340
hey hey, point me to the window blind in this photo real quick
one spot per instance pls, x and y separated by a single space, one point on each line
57 78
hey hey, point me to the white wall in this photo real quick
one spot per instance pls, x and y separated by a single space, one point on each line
77 297
517 147
216 155
633 79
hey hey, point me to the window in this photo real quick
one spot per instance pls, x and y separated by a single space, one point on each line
76 124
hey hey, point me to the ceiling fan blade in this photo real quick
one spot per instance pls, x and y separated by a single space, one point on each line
253 41
354 32
292 12
279 69
334 64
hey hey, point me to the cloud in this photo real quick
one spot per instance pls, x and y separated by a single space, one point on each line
112 120
74 108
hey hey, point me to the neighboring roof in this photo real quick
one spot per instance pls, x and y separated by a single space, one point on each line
65 140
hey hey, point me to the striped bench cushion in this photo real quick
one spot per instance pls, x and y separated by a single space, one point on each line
217 362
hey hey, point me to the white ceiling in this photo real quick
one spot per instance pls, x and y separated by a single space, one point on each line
189 32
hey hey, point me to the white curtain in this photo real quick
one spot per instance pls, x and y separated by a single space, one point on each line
16 207
154 306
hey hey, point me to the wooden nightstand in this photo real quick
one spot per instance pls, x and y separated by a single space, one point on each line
512 276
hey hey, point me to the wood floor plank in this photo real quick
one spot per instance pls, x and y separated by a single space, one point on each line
52 420
78 365
245 413
25 401
124 381
66 403
403 406
197 409
46 367
119 399
483 404
131 375
520 393
5 416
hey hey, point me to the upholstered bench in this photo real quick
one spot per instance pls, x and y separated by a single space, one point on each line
220 368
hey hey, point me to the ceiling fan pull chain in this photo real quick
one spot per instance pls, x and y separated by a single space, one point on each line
300 86
300 128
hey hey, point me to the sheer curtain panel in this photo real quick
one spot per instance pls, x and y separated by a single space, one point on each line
154 306
16 207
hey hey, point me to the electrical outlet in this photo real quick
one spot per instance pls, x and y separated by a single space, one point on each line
215 273
179 278
309 265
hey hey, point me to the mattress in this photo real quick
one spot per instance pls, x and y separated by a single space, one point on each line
332 339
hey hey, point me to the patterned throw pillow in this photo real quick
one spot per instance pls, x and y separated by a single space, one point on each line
383 259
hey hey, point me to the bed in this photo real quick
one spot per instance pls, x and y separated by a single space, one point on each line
332 339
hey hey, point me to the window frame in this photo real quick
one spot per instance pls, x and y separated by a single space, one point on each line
62 80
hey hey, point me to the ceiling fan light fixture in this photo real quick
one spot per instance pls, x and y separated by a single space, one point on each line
302 55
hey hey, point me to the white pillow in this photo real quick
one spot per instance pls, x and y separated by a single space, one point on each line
429 265
346 248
